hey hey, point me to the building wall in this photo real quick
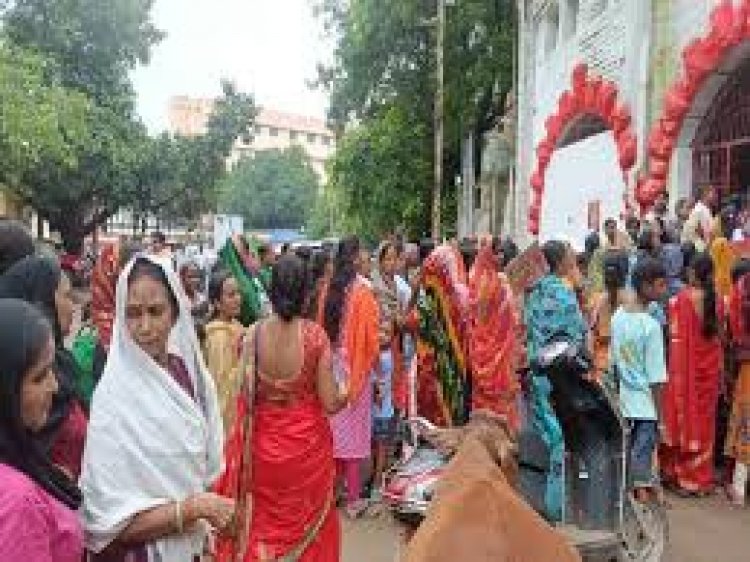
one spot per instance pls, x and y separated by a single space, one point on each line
637 44
272 130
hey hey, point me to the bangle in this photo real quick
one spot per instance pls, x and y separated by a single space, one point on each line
179 521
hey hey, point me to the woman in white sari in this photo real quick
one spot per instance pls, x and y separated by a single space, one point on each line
154 440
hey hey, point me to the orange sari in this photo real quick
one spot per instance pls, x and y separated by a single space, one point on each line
492 347
690 398
738 435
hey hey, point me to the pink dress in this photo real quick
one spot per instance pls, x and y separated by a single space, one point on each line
34 526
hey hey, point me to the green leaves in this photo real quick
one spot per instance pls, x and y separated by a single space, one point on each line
384 78
70 143
376 166
36 119
272 189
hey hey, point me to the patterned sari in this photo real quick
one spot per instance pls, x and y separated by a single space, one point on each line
103 284
491 342
442 381
690 398
551 312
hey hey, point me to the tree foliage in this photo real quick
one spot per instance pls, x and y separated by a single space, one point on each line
180 176
88 154
384 62
272 189
376 165
38 118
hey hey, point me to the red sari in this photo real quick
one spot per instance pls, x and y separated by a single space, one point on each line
293 473
690 398
103 285
492 349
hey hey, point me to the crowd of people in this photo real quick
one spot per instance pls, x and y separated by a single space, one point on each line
217 409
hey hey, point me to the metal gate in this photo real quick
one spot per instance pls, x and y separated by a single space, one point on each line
724 129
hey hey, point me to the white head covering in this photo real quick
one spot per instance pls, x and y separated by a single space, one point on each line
149 443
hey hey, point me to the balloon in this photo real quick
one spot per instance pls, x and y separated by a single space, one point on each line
671 127
727 24
659 168
553 126
537 181
627 147
677 101
591 93
544 153
567 105
700 58
580 71
607 100
620 118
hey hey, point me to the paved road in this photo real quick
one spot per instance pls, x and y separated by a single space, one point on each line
701 531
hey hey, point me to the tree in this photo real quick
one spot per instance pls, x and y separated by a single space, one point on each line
87 49
91 46
384 60
38 119
95 44
374 172
180 176
273 189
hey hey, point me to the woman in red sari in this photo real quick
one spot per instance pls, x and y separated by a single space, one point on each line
289 481
691 395
492 346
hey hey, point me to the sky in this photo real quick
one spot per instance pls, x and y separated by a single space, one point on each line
267 47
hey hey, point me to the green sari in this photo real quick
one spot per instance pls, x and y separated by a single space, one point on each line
250 287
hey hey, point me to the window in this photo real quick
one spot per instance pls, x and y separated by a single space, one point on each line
258 130
326 140
293 135
311 138
273 131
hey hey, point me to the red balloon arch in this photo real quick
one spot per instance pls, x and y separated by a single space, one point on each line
729 26
588 96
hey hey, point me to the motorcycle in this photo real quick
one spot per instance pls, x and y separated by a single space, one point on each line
600 515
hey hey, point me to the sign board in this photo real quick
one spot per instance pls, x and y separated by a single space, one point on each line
526 269
226 226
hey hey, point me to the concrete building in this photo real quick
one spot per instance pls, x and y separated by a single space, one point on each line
620 100
273 130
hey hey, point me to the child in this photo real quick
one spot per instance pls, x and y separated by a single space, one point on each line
637 354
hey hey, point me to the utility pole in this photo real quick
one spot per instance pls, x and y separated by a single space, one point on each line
436 191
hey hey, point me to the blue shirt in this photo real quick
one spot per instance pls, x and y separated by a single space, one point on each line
384 377
637 351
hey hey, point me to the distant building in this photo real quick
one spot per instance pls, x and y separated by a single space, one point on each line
272 130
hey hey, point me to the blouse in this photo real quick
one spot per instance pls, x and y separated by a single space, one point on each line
34 526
